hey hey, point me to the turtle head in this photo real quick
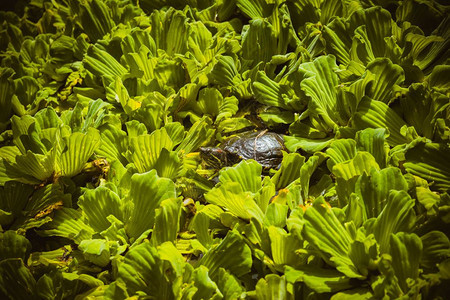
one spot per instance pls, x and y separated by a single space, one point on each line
213 157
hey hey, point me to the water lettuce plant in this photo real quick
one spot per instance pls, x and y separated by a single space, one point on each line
105 104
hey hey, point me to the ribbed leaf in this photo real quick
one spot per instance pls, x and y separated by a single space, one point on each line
272 287
271 93
239 202
246 173
259 43
406 252
16 281
198 135
6 92
255 9
421 109
289 171
145 270
14 196
338 40
388 77
376 114
362 162
224 71
377 22
397 216
319 279
167 221
320 85
46 199
436 248
101 63
39 166
232 254
325 233
430 161
13 245
374 188
98 204
96 19
114 143
26 135
144 150
284 246
340 151
373 141
96 251
147 192
68 223
168 164
78 149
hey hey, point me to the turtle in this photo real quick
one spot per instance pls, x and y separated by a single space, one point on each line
263 146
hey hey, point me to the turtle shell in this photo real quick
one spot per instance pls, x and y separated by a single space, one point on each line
264 147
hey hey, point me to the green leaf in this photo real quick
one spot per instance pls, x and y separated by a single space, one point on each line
374 188
293 143
13 199
422 110
340 151
114 143
68 223
225 71
46 199
246 173
98 204
436 248
319 280
172 32
144 269
96 251
96 19
320 85
78 149
272 287
26 135
406 252
13 245
429 161
388 77
101 63
239 202
347 173
373 141
168 164
6 93
376 114
354 294
397 216
276 214
289 171
229 286
324 232
146 193
198 135
259 43
284 246
272 93
38 166
167 221
255 9
16 281
232 254
144 150
377 23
